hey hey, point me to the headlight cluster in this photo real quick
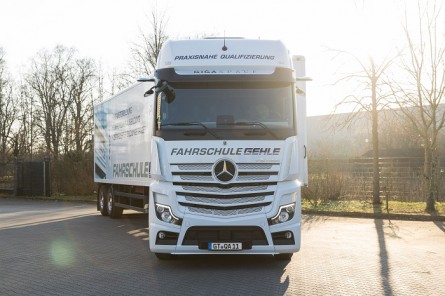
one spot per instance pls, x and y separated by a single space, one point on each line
165 214
285 213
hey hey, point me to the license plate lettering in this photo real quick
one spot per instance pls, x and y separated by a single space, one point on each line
225 246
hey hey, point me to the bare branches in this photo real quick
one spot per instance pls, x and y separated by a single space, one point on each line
81 84
63 86
422 94
421 97
369 81
369 101
145 52
8 109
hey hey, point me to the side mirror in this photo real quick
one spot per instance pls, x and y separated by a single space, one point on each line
146 79
149 92
168 91
170 94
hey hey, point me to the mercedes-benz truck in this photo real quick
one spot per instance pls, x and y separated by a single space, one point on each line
212 147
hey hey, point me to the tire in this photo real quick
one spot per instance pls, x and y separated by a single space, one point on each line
283 256
113 211
102 200
164 256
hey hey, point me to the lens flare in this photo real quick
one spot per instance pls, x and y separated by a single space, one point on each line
62 253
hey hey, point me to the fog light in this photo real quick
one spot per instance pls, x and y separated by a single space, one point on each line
161 235
288 235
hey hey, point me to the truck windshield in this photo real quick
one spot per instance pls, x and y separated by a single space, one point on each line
228 110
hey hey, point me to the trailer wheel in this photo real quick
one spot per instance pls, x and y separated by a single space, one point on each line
113 211
283 256
102 200
164 256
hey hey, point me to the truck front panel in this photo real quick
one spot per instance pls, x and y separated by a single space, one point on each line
226 192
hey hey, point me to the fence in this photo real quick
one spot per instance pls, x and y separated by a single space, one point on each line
400 179
26 178
7 177
329 179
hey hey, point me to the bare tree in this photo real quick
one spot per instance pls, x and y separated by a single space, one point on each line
117 80
421 96
370 99
8 109
22 135
28 138
145 52
81 82
47 81
65 90
395 134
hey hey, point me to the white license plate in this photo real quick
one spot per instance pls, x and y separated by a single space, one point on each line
225 246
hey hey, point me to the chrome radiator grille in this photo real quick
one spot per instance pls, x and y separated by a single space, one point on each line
250 191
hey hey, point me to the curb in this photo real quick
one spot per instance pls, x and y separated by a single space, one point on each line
385 216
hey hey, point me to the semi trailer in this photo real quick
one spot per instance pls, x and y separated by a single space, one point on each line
212 146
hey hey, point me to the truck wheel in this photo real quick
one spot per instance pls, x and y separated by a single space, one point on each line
164 256
113 211
102 200
284 256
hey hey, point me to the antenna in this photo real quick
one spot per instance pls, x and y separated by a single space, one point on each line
224 48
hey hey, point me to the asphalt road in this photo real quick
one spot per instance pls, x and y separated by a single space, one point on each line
57 248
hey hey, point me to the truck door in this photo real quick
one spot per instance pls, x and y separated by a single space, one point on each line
299 65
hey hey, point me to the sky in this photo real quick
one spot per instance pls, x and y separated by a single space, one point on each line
106 29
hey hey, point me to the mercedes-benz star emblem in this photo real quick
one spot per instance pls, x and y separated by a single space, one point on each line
224 170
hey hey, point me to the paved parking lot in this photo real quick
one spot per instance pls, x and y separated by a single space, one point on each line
56 248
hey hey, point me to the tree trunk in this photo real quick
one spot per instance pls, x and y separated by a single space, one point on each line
375 146
430 203
428 180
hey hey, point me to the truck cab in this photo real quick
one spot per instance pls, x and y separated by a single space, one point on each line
228 148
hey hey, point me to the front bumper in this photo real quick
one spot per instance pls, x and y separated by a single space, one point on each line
253 231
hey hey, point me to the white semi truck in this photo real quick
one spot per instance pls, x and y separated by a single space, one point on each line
213 147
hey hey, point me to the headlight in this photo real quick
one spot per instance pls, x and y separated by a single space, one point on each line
285 213
165 214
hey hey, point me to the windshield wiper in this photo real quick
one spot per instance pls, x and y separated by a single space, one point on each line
207 130
253 123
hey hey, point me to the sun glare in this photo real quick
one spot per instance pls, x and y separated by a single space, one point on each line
379 31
